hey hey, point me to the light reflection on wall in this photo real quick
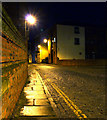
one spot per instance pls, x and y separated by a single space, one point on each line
43 52
49 46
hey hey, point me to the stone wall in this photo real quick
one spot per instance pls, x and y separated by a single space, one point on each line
14 65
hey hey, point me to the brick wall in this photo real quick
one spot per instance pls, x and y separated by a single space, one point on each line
14 65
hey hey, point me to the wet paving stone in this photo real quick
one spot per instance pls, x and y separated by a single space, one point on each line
32 96
37 101
35 92
37 111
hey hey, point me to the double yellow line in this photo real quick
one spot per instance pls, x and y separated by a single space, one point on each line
75 109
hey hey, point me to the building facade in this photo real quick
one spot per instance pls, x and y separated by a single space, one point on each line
70 42
67 43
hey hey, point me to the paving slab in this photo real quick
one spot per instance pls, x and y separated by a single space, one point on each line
34 92
33 88
37 111
43 96
38 102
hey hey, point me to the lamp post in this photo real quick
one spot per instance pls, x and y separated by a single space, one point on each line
45 40
29 20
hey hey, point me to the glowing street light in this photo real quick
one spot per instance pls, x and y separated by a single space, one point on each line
45 40
38 46
30 19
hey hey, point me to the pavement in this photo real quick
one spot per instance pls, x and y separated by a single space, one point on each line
40 105
38 101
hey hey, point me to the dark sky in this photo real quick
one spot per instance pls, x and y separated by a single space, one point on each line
49 13
68 12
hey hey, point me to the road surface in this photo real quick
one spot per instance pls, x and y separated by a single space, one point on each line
76 90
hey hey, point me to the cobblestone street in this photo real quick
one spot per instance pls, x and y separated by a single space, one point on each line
83 85
48 93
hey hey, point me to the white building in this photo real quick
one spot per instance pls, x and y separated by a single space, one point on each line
65 42
70 42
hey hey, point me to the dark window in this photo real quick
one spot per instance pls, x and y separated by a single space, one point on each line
76 30
77 41
80 53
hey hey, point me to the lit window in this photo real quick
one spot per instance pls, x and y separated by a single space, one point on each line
76 41
76 30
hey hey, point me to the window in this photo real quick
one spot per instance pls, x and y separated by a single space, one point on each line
76 30
80 53
77 41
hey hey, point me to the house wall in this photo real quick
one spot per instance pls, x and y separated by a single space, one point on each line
43 52
54 53
66 49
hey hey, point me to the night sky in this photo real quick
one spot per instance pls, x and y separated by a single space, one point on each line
49 13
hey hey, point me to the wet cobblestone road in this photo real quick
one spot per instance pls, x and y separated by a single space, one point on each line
84 86
71 92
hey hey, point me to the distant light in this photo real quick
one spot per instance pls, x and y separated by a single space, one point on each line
54 39
30 19
38 46
45 40
48 42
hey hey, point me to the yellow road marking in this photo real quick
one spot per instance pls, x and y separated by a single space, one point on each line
75 109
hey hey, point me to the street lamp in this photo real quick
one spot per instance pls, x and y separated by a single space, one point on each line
45 40
39 46
29 19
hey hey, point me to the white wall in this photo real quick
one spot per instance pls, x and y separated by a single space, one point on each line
66 49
